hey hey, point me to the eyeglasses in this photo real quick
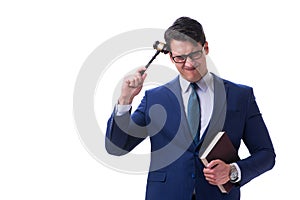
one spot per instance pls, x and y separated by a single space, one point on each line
182 58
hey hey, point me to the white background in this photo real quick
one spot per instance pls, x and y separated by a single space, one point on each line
43 45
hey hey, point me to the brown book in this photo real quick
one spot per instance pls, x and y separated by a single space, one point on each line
220 148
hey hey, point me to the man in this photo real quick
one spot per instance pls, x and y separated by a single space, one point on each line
181 116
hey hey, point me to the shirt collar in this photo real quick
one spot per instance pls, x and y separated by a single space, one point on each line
204 83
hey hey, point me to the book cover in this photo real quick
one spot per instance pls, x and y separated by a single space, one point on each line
220 148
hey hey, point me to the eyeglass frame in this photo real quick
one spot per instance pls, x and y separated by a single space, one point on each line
186 56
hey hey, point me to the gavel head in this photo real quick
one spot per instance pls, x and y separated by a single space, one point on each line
160 46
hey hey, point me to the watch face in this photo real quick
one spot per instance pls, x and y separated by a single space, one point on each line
233 176
233 173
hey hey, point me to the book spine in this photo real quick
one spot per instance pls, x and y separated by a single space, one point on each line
223 190
204 161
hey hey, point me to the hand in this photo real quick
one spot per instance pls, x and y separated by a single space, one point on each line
217 172
132 85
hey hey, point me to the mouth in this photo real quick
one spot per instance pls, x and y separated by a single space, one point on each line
189 68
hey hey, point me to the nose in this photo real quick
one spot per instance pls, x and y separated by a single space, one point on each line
189 62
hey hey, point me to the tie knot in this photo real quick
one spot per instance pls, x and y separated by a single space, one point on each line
194 86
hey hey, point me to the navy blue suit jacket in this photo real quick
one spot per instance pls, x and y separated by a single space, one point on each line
175 170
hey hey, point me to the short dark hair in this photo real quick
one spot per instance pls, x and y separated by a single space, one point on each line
185 29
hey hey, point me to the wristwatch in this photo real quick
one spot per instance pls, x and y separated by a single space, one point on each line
233 174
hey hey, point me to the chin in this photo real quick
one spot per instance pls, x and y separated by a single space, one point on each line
192 78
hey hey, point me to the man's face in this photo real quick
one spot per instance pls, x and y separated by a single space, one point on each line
193 68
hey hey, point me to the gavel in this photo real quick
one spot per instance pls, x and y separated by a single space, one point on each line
160 48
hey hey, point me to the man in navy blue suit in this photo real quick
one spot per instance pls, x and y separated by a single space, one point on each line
167 112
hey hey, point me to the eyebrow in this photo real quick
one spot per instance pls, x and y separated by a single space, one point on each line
185 54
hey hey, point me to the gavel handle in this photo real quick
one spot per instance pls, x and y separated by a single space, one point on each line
157 52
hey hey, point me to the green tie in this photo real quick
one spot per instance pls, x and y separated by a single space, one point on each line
194 114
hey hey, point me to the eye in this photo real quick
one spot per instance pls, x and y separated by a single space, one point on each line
196 55
179 59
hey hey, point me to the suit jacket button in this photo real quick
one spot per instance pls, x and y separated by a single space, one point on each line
193 176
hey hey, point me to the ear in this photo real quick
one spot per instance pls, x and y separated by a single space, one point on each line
206 48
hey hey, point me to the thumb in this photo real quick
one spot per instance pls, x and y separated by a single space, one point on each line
213 164
144 76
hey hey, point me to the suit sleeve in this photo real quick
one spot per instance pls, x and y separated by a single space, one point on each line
125 132
258 142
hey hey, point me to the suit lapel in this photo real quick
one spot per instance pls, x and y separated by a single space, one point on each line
219 113
181 139
183 135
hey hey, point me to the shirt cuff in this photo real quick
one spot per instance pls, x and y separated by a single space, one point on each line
239 172
122 109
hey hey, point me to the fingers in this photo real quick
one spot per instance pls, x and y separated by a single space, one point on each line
217 172
136 80
213 163
132 86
